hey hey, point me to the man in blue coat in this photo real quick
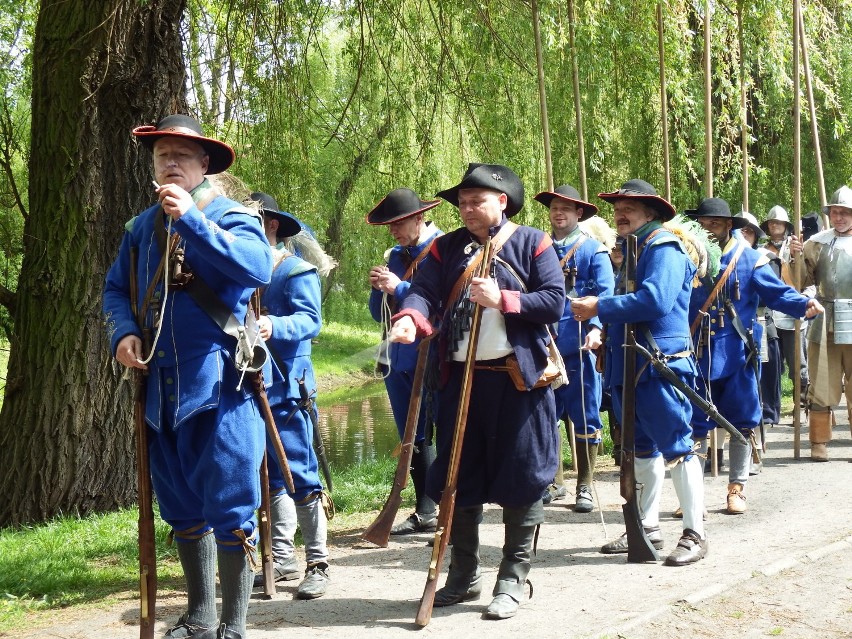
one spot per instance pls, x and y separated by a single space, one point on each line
290 318
511 442
205 433
588 271
723 316
658 309
402 211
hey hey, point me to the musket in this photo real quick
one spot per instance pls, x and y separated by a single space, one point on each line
308 405
271 430
448 498
265 525
265 410
147 546
379 531
754 358
639 547
713 413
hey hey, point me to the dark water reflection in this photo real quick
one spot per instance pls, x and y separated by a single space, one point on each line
359 428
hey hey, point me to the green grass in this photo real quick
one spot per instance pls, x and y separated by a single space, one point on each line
72 562
342 349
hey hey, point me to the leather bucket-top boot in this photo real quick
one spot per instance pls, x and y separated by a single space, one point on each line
464 579
520 526
819 426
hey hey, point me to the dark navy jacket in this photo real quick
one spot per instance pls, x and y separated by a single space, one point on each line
529 254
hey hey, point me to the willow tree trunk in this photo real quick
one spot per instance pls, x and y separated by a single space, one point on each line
99 68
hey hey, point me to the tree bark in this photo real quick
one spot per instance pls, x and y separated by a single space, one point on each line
99 69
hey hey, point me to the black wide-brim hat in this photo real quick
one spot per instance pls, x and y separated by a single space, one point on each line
494 177
716 207
221 156
398 205
570 194
288 225
640 190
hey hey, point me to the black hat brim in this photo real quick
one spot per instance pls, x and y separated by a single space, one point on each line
666 210
738 221
288 226
546 197
377 218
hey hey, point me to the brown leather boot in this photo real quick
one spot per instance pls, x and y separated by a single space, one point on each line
819 427
736 499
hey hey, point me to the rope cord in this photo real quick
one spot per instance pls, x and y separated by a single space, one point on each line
383 351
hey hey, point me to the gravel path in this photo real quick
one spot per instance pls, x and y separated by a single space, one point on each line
782 569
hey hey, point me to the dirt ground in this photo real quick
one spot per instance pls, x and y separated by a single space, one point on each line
782 569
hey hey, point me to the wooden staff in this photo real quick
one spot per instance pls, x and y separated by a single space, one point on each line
542 96
797 225
708 175
708 107
743 105
823 199
578 112
664 107
448 498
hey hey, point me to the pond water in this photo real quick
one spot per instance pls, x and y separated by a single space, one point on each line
358 428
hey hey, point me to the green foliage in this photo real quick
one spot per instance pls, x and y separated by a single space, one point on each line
331 105
344 348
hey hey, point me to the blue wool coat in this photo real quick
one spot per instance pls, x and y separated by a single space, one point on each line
724 362
198 419
664 275
293 305
580 398
399 373
403 357
511 444
226 247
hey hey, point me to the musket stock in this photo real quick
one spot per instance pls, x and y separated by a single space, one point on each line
271 429
379 531
448 498
147 546
266 411
265 525
639 547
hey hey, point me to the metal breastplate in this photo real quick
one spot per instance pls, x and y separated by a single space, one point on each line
833 275
834 271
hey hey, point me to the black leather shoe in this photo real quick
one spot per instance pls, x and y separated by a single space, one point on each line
690 548
315 582
449 596
552 493
286 570
619 546
416 523
584 502
226 633
185 630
